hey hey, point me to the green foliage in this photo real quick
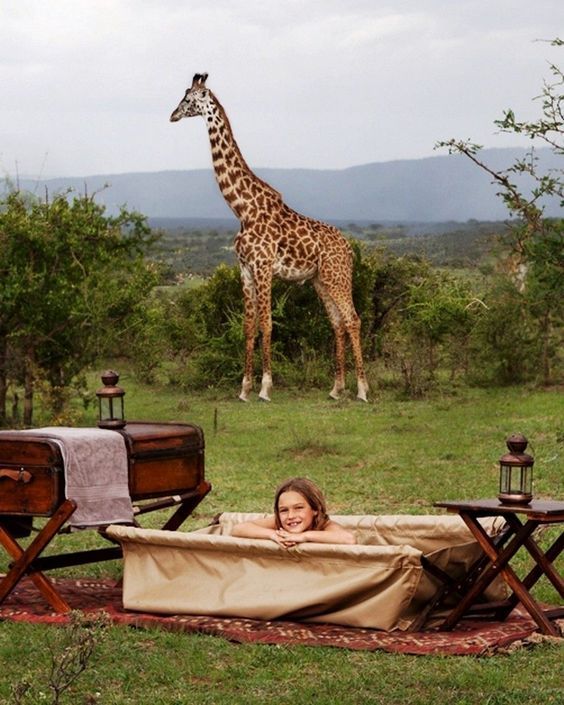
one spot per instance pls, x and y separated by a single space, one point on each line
426 316
183 252
534 248
503 344
70 279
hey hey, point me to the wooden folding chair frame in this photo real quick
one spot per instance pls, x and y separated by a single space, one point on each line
30 561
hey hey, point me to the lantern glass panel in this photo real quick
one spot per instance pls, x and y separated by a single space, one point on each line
527 480
105 408
516 480
505 479
515 483
111 408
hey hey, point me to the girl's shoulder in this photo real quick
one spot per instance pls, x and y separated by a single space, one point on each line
331 525
268 522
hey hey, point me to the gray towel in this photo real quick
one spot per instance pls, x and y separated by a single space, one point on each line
96 474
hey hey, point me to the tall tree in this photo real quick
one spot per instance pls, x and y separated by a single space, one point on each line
535 259
70 277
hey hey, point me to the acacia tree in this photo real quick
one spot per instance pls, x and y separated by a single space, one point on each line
535 260
70 278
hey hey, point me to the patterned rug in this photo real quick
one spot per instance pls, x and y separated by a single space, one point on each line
472 637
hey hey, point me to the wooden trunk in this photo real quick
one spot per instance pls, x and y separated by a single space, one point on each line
31 475
164 459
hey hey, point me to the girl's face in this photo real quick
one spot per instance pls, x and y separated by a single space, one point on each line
294 512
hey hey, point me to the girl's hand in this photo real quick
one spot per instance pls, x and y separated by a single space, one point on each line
280 540
287 539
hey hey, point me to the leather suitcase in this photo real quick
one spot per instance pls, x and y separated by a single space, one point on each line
31 475
164 459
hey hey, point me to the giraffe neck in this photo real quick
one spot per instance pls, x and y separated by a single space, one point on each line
237 182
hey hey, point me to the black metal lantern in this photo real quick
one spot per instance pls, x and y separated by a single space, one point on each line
110 402
516 472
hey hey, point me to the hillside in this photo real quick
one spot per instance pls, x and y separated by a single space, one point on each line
435 189
192 247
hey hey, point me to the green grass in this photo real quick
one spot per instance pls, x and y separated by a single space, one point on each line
388 456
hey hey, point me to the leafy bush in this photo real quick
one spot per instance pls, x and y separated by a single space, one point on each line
70 279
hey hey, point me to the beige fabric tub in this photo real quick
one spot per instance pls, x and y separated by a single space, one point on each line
378 583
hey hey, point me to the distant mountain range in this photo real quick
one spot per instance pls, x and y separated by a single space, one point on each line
435 189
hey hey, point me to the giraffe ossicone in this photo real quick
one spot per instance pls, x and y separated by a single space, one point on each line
276 241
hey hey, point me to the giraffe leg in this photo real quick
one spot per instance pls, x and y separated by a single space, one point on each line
352 325
339 331
339 384
341 296
263 285
250 329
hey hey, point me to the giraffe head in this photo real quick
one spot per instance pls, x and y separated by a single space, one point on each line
195 99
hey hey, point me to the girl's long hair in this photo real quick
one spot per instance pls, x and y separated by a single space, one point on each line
311 493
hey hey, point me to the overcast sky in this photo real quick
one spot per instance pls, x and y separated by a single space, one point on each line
87 86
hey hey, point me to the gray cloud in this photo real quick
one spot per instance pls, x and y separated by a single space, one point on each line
88 85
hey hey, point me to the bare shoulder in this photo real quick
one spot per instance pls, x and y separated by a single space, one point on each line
333 526
339 533
266 522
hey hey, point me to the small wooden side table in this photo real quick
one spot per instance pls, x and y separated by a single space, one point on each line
519 534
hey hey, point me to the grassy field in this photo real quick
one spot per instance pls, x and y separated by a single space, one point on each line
388 456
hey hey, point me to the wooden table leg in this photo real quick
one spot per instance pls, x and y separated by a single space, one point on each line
536 572
477 585
23 558
499 564
543 561
449 585
187 507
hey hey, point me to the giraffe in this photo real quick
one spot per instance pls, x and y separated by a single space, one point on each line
276 241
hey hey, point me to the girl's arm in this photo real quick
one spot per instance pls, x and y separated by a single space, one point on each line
264 528
331 533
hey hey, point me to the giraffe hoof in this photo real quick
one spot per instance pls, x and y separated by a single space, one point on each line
362 390
337 391
243 398
261 398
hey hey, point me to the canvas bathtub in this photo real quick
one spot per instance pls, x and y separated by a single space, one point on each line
378 583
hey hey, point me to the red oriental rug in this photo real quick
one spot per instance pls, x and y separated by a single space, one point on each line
472 637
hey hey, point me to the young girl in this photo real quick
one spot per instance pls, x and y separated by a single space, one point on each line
300 515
